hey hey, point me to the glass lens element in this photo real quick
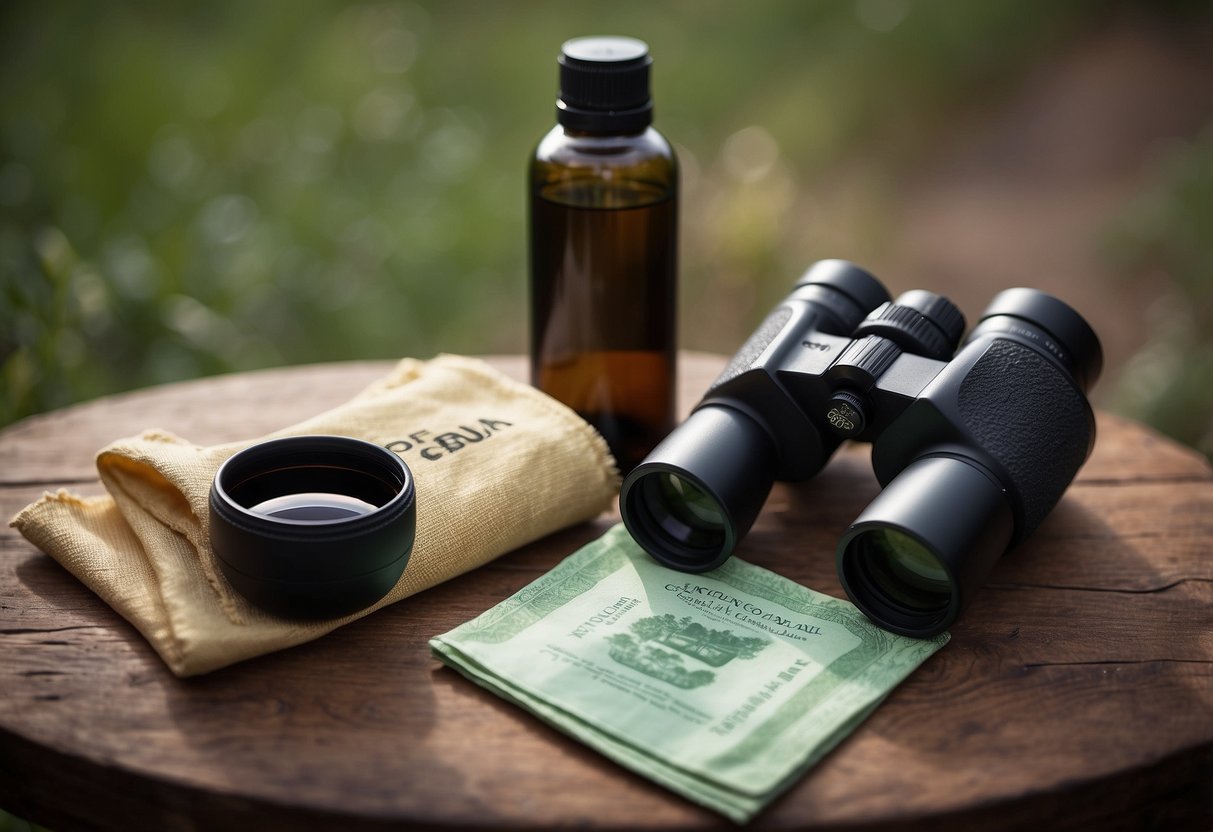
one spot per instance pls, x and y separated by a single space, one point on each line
905 571
689 504
314 506
684 511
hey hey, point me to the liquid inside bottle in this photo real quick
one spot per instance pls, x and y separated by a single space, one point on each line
604 307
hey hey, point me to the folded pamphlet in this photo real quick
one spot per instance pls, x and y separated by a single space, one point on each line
724 686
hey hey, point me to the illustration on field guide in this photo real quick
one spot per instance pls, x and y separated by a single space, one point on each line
715 648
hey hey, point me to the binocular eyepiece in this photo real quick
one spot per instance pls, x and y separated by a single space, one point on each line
973 446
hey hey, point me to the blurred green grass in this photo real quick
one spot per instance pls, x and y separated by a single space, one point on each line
192 189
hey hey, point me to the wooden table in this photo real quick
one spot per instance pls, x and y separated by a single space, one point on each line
1077 689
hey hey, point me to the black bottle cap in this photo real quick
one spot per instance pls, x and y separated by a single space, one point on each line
604 85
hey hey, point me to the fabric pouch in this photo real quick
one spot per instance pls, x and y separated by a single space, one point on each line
496 464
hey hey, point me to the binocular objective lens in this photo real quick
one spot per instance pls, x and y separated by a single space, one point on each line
689 504
904 571
314 506
684 511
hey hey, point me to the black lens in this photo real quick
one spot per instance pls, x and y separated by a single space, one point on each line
903 570
925 545
313 526
699 491
684 511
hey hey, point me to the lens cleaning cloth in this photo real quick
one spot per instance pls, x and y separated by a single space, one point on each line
496 463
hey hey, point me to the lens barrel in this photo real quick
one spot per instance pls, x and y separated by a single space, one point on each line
925 545
697 494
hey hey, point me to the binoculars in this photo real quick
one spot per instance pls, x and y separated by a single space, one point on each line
973 447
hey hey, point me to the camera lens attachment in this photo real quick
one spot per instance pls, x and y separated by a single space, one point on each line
313 526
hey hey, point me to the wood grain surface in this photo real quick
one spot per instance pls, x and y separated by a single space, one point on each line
1077 691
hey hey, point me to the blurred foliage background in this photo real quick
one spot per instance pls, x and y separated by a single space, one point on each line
197 188
190 188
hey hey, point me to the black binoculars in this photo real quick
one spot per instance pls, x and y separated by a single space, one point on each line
972 447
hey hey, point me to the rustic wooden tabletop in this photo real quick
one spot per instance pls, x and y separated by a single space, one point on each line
1077 690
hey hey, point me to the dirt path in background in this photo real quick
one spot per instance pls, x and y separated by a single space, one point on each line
1022 193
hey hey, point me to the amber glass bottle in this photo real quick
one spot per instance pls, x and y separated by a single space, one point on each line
604 249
